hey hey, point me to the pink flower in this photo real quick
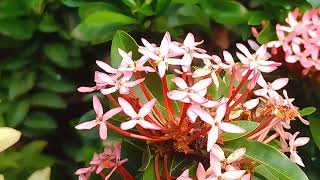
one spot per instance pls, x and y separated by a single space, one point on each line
189 51
137 118
187 94
209 68
228 58
184 175
109 159
300 38
247 106
257 61
202 174
269 90
128 65
217 125
123 84
295 142
84 173
217 158
100 119
160 55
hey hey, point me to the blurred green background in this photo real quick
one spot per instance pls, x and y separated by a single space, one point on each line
48 48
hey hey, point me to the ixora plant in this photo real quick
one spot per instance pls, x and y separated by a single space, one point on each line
219 116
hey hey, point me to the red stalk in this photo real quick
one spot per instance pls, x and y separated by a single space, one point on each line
236 91
156 167
231 83
200 133
125 133
166 171
124 173
112 100
168 103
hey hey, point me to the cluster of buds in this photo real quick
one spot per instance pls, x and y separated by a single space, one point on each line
190 118
300 38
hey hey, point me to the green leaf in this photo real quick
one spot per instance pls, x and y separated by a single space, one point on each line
178 164
264 171
37 6
12 9
18 112
267 34
125 42
59 86
41 174
314 127
57 53
307 111
21 84
146 158
270 157
256 17
8 137
249 126
17 28
87 8
48 24
225 11
162 5
150 173
314 3
130 3
40 121
35 146
46 99
100 26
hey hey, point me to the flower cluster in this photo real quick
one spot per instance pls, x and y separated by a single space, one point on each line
190 115
300 38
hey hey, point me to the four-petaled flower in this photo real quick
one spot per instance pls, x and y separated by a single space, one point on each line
137 118
100 118
128 65
295 142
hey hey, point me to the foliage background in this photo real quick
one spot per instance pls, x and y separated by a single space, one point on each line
48 48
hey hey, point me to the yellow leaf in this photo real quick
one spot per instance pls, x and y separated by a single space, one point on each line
41 174
8 137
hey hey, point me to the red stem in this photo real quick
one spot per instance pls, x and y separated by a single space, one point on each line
231 83
168 103
166 172
156 167
149 97
124 173
236 91
200 133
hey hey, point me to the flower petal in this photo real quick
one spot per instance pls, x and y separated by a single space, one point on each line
231 128
236 155
243 49
212 137
103 131
202 84
279 83
111 113
127 108
106 67
145 110
97 106
147 125
128 125
235 174
180 82
87 125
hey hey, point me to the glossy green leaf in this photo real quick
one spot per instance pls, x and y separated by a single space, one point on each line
225 11
146 158
249 126
178 164
125 42
21 84
268 173
100 26
267 34
307 111
46 99
18 112
130 3
269 157
314 127
8 137
41 174
60 86
17 28
40 121
162 5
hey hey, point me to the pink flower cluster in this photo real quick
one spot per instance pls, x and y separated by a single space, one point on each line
300 38
109 159
197 106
